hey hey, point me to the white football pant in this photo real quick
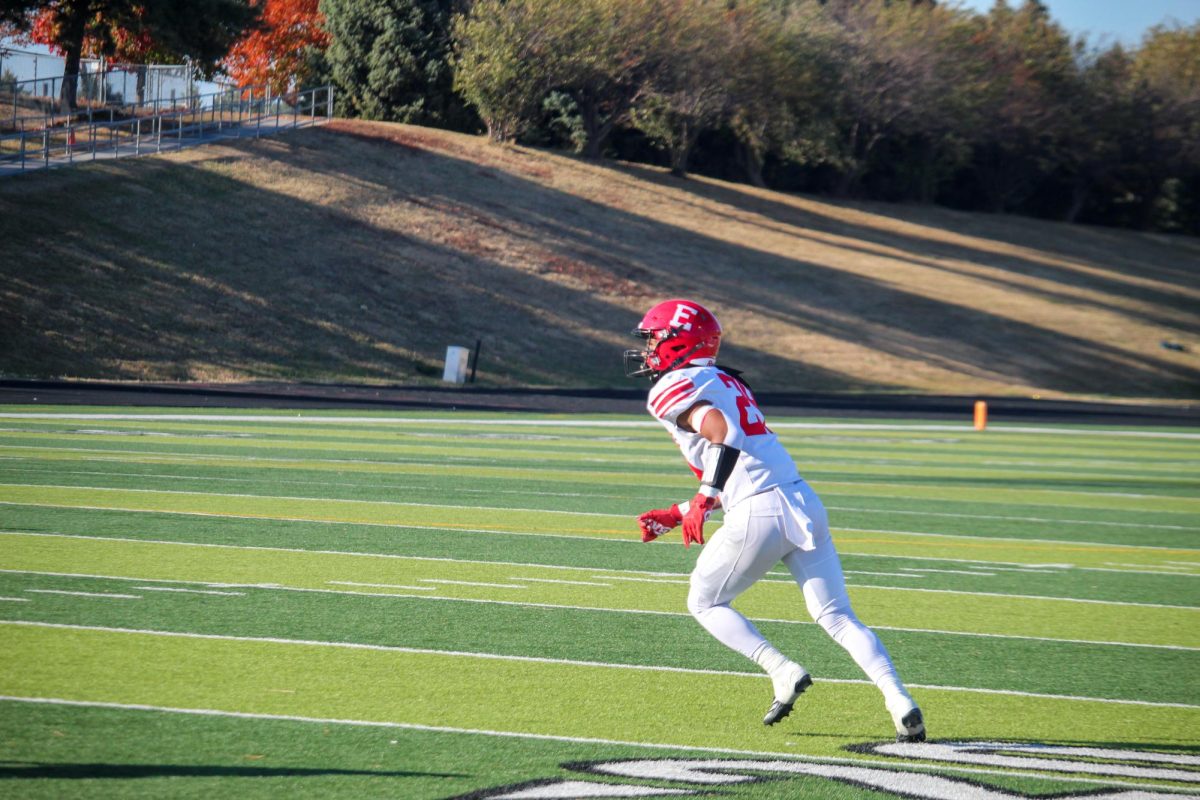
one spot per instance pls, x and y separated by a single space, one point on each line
787 524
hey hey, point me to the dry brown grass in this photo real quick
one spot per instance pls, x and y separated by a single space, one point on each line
359 251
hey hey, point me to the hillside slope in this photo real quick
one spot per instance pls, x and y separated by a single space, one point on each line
358 251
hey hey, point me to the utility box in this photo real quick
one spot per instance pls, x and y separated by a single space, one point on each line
456 365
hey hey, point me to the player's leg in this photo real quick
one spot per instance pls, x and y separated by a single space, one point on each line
747 545
819 575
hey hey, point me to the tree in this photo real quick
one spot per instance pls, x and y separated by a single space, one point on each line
276 53
1166 73
691 90
391 59
510 55
892 81
201 30
781 76
501 54
1032 71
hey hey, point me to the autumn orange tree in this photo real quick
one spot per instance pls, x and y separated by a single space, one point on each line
274 53
131 30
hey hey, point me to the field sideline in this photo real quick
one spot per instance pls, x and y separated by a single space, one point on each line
200 603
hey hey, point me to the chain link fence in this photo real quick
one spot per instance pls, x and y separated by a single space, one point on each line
152 127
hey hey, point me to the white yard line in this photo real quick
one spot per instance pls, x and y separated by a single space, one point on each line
619 575
383 586
939 768
608 610
186 591
1005 518
560 661
516 509
147 456
621 495
965 428
555 580
473 583
85 594
14 600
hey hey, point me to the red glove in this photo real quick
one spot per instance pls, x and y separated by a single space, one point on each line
657 522
693 524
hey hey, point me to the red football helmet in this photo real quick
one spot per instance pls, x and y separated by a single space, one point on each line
676 332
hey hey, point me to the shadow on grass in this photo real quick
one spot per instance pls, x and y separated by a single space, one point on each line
416 248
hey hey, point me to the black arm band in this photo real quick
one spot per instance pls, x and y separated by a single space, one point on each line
721 468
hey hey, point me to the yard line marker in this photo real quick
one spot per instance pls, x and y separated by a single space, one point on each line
186 591
15 599
384 586
564 661
390 487
835 528
641 580
473 583
340 500
562 423
538 493
555 580
409 726
1102 523
86 594
607 610
463 462
951 571
865 572
626 575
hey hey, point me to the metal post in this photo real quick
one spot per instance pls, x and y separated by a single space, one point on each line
312 107
45 145
296 112
137 138
157 122
93 129
179 138
22 151
329 101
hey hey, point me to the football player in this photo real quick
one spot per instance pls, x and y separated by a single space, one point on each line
771 514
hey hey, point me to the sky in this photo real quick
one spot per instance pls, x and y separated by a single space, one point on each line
1110 21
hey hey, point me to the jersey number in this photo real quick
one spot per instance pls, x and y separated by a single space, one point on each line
753 421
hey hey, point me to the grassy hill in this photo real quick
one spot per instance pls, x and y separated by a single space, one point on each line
358 251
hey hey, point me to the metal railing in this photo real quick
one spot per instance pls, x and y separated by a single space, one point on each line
213 116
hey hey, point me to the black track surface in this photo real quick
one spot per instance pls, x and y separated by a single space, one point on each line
351 396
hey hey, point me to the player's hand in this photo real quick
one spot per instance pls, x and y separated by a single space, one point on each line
693 522
657 522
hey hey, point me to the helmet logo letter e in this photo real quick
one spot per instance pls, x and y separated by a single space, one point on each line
683 315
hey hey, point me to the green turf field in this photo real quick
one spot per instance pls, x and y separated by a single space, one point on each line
200 603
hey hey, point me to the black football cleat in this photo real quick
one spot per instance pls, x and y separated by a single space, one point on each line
911 727
781 708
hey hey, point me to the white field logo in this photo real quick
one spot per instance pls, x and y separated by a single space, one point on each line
683 316
695 777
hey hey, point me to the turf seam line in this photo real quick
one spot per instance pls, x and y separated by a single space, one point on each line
560 661
616 574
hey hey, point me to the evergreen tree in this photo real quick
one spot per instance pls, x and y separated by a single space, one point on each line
390 60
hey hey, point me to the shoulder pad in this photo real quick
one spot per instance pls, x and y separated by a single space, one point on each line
674 393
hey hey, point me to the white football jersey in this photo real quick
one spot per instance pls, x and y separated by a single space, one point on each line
763 463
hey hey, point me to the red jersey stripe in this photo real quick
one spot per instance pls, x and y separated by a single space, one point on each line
672 396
